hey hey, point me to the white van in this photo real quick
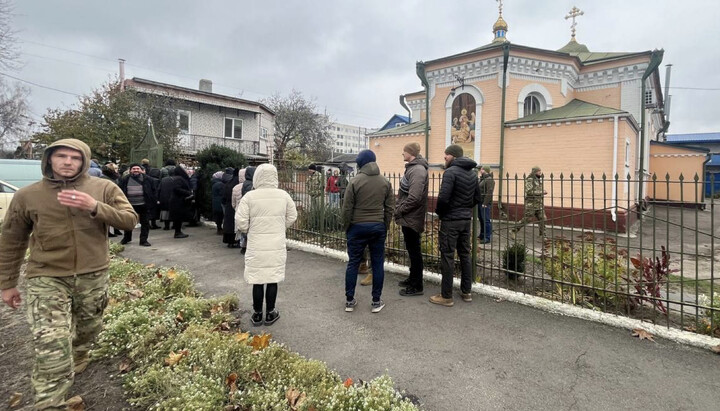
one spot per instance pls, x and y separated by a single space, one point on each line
7 191
20 173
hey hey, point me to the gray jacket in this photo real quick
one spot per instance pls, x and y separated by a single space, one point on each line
412 195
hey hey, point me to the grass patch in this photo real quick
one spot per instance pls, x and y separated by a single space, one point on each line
688 285
181 351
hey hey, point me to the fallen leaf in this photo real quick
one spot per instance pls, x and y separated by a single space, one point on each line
348 383
642 334
260 342
125 365
158 274
179 317
242 337
175 358
255 376
217 309
716 349
499 300
171 274
223 326
230 379
150 265
295 398
75 403
135 294
15 399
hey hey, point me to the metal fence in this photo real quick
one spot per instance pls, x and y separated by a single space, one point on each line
654 260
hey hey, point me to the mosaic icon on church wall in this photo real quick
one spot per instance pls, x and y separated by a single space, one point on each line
463 122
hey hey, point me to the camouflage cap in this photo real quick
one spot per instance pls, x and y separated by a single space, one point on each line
535 169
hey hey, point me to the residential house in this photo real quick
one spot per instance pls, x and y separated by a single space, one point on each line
206 118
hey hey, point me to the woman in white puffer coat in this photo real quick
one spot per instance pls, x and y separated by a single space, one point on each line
264 214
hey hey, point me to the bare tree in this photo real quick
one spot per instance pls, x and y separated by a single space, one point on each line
9 54
298 126
13 112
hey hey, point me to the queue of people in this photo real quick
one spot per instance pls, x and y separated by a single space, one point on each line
67 267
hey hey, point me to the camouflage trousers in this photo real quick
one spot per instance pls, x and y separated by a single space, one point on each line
65 315
531 212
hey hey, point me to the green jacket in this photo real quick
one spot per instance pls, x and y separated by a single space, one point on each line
487 186
65 241
534 191
369 198
314 185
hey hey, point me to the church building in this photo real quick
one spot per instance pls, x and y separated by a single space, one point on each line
569 110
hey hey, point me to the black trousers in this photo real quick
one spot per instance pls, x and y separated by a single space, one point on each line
455 234
270 291
142 212
177 226
412 244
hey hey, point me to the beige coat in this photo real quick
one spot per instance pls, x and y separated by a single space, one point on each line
264 214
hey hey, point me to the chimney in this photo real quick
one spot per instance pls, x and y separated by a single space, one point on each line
121 62
206 85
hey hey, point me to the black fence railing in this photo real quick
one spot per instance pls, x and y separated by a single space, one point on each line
653 260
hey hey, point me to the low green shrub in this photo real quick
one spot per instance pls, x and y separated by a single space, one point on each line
513 259
182 351
710 322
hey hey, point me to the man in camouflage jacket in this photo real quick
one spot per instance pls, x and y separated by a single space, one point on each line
534 206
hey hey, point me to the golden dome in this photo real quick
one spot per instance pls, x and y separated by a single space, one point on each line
500 24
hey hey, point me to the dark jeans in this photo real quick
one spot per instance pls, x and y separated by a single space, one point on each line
412 244
455 234
485 223
142 212
359 236
270 296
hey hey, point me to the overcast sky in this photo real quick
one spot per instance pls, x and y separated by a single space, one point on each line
353 57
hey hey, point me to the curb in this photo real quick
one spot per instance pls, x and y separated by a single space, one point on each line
553 307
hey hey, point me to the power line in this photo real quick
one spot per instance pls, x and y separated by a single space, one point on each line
39 85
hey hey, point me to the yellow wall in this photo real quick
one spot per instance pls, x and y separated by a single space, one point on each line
676 161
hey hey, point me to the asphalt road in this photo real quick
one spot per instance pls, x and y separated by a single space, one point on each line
483 355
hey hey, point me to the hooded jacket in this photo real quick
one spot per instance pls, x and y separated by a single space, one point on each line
459 191
412 195
247 185
180 196
264 214
65 241
369 198
237 190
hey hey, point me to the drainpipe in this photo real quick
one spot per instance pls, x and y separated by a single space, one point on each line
655 60
121 63
405 106
662 130
613 201
420 70
506 56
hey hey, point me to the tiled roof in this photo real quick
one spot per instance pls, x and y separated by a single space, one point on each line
574 109
412 128
694 138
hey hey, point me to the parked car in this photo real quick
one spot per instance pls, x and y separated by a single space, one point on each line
6 194
20 173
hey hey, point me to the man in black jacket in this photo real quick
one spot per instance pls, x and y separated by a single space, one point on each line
140 191
459 193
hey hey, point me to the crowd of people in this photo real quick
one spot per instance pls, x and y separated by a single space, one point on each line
65 220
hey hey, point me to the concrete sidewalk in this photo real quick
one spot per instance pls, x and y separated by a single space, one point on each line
474 356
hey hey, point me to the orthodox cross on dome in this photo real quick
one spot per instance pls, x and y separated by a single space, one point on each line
575 12
500 6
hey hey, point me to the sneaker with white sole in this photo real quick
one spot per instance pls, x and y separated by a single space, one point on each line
466 297
377 306
350 305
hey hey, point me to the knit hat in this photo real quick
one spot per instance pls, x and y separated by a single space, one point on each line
312 167
364 157
535 169
486 168
134 165
412 148
454 150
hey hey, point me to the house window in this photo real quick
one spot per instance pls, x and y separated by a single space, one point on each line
263 133
233 128
183 121
531 105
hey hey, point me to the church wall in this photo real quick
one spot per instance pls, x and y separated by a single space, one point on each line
606 96
388 151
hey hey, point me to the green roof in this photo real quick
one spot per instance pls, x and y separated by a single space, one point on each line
581 51
574 109
412 128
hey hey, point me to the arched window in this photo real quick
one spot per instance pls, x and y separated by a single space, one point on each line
531 106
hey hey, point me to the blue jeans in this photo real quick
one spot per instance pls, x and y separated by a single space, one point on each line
334 199
359 236
485 223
